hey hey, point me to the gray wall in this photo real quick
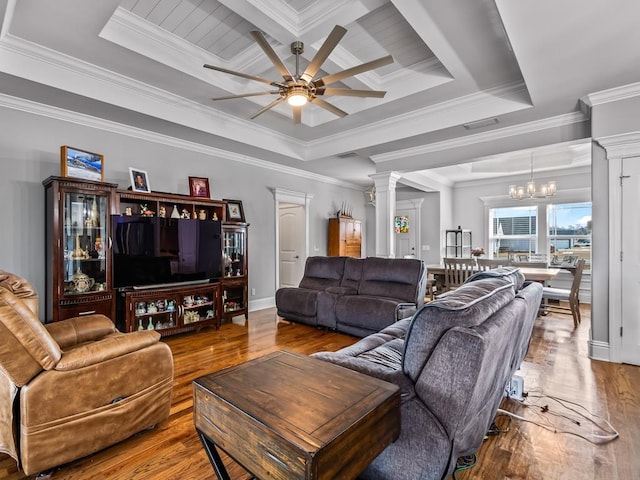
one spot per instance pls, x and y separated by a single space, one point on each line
30 152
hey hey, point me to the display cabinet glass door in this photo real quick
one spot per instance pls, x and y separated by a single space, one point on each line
234 254
84 237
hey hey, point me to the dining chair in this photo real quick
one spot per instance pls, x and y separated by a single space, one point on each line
571 296
456 271
489 263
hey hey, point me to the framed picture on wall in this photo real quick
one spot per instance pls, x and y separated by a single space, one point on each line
235 212
199 187
78 163
139 180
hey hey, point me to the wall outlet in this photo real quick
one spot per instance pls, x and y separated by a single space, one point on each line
253 292
515 388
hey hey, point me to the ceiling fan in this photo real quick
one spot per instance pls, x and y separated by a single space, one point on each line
299 89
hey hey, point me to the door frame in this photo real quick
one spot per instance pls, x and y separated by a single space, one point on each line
416 205
617 148
281 195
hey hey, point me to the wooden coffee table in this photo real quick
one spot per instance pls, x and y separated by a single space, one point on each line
290 416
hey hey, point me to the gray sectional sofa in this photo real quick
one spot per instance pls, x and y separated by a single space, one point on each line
358 296
452 360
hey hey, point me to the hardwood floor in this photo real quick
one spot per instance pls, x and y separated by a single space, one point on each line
556 365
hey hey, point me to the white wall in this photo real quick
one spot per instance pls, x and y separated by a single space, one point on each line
30 152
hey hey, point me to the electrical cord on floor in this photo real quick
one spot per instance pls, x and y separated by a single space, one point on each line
464 463
610 433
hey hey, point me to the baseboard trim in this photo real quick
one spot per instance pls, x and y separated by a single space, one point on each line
599 350
262 303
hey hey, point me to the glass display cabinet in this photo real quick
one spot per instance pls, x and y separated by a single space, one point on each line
78 254
235 275
170 310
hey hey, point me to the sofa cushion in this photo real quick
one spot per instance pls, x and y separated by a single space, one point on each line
322 272
467 306
364 314
513 274
353 272
398 278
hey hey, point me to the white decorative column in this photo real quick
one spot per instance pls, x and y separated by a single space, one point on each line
385 213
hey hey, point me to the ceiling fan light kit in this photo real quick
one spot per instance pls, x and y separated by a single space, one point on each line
299 89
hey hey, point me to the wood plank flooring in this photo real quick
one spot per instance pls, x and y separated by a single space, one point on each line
556 365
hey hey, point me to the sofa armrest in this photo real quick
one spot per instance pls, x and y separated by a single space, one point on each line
106 349
73 331
405 310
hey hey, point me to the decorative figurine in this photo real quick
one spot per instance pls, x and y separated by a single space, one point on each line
215 217
162 212
185 213
174 212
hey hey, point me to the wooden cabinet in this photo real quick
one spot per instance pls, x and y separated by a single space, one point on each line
235 266
345 237
77 253
170 310
146 260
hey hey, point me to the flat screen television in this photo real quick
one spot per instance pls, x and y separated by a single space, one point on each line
150 251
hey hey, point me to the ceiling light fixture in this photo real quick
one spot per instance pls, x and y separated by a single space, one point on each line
297 97
530 191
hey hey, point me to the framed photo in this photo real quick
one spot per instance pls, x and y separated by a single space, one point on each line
81 164
139 180
199 187
235 212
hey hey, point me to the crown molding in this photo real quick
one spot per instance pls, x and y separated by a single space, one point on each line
623 92
498 100
493 135
621 145
56 113
49 67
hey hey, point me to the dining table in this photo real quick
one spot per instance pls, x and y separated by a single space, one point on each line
534 274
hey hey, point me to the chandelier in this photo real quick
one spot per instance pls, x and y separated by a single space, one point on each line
530 190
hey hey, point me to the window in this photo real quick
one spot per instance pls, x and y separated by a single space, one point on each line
570 232
513 232
563 236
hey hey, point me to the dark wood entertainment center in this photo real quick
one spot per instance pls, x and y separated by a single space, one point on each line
79 254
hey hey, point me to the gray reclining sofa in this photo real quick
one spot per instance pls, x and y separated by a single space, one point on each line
358 296
451 361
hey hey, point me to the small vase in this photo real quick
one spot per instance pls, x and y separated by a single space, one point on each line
150 326
140 326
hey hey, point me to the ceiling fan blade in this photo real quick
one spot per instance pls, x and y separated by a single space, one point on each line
297 115
321 55
264 109
328 106
273 56
256 94
348 92
349 72
244 75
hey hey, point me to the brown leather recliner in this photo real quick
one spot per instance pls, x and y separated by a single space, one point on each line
71 388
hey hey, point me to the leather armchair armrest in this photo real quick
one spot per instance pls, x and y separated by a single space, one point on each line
341 290
106 349
80 329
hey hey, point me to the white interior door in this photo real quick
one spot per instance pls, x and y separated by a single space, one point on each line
406 243
291 242
631 261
